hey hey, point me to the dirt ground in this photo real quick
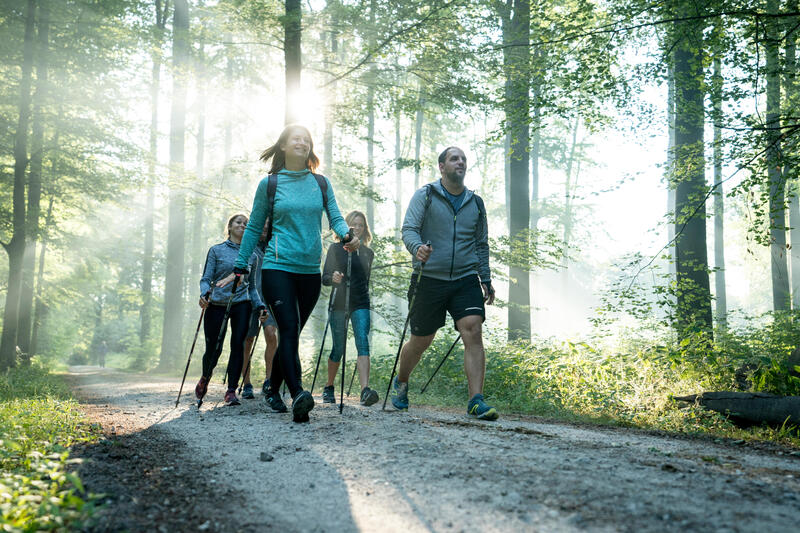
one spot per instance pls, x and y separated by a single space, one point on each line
245 468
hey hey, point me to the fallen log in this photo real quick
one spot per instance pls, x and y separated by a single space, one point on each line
753 407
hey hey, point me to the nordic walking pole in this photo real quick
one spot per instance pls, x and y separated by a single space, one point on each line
222 329
352 378
194 341
405 327
346 325
324 334
250 359
441 363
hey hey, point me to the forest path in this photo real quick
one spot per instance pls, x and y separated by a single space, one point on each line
245 468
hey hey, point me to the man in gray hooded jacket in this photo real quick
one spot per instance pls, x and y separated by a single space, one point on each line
455 276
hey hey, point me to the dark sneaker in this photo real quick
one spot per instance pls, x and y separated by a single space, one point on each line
230 397
201 388
247 392
265 387
301 405
328 395
480 409
275 402
400 395
369 397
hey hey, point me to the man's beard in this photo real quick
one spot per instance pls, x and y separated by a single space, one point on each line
454 177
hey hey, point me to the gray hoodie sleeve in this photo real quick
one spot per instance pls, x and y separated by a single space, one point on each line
412 223
209 275
482 244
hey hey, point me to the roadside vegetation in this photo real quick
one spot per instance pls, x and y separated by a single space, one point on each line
39 422
629 382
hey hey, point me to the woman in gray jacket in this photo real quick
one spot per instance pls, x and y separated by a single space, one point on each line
219 263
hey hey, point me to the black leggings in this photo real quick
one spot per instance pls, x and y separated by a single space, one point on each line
291 298
239 322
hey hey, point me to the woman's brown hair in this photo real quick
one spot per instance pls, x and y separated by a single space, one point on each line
278 156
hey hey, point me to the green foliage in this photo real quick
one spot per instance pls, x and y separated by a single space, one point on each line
38 424
630 384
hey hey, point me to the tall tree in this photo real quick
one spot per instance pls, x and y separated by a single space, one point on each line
40 309
418 120
34 182
693 305
670 167
15 248
721 302
173 283
292 58
790 164
196 254
145 310
516 40
777 186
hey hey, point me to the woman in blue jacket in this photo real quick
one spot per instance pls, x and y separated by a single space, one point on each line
219 263
290 275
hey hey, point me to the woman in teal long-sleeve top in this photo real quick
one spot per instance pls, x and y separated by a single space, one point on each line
290 275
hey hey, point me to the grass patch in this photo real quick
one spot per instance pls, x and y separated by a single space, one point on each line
38 424
630 386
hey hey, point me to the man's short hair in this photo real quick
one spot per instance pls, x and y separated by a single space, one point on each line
443 155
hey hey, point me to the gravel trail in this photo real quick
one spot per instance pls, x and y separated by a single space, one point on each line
247 469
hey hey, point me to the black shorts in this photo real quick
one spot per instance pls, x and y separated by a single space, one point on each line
252 329
459 297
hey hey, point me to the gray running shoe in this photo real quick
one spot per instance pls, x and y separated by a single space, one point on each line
301 405
368 397
328 395
275 402
247 392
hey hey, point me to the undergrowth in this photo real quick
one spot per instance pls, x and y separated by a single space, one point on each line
38 424
632 384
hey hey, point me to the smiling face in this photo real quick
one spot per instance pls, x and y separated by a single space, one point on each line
297 146
358 224
237 226
454 166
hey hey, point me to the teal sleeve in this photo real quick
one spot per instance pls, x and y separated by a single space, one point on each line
255 226
335 218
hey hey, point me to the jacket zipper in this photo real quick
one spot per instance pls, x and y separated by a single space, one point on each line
453 254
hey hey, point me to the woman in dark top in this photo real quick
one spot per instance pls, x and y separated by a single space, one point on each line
334 272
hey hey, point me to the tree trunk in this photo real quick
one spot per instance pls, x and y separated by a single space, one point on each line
292 58
719 207
418 138
330 116
147 253
15 248
40 309
568 187
173 282
197 255
398 181
370 149
777 186
790 166
34 185
751 407
670 170
516 37
693 308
